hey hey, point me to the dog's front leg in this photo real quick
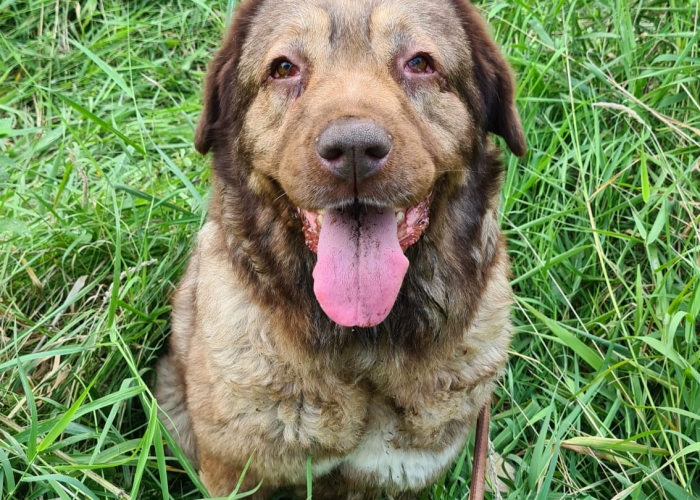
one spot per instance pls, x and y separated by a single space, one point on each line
221 478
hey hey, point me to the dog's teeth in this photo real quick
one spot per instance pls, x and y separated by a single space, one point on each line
400 216
319 219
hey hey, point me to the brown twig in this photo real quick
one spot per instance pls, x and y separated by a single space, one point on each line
481 443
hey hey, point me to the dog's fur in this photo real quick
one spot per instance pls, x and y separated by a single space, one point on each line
255 367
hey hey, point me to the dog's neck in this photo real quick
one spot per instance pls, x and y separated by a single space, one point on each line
448 269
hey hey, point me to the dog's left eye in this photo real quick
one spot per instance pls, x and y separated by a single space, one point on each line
284 69
419 64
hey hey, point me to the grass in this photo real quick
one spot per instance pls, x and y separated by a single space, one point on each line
101 194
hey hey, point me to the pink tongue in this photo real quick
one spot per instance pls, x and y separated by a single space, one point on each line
360 266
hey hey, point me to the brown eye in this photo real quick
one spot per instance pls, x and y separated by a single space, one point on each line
284 69
419 64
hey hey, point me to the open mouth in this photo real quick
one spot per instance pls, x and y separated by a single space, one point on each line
410 223
361 264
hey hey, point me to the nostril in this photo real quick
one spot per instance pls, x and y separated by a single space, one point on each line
378 151
330 153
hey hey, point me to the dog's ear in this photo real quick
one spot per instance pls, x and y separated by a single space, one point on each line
494 80
215 98
221 94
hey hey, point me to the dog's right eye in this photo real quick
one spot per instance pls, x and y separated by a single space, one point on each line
284 69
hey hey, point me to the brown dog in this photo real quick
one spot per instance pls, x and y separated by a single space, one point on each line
348 298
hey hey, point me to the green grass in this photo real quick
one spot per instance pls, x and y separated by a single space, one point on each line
101 194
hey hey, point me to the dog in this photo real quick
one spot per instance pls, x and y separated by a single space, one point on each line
348 299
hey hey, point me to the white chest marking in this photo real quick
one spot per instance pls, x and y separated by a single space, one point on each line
407 468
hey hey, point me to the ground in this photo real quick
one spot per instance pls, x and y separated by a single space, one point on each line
101 193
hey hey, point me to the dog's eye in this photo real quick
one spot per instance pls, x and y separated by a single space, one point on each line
419 64
284 69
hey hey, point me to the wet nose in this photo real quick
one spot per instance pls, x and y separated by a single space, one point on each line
353 149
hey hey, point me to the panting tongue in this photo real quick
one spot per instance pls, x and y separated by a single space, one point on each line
360 266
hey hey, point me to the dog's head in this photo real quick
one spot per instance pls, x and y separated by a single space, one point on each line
353 110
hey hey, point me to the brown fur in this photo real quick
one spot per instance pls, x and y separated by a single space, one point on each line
255 366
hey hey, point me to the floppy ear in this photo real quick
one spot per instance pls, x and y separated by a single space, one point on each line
215 97
494 80
222 97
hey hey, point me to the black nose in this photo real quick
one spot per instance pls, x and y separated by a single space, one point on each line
353 149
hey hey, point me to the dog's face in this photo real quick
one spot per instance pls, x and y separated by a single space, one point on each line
353 110
373 70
